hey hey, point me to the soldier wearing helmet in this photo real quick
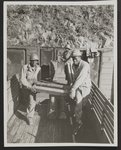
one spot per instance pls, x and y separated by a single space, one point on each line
28 78
81 84
68 65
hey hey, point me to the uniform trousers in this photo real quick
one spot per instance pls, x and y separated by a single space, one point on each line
81 93
31 103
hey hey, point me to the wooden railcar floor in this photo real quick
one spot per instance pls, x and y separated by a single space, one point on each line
43 130
46 130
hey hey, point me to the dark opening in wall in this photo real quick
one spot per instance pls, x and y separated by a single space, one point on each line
45 72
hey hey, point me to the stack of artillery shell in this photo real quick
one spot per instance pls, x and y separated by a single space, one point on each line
52 88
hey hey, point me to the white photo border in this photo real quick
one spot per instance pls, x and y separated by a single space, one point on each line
108 2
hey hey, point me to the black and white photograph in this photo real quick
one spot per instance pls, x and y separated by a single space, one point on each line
60 73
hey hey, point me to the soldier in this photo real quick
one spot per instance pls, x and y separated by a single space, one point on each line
81 85
28 79
68 66
57 75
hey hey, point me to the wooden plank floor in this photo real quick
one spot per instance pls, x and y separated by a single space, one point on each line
87 133
43 130
46 130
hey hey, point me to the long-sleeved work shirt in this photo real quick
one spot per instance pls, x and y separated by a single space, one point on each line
29 75
68 70
81 76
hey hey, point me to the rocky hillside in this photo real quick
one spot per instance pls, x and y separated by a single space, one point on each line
60 26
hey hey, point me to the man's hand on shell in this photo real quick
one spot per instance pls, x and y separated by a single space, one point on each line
72 93
33 89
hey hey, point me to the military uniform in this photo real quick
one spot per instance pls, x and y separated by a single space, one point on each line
81 85
68 71
82 81
28 78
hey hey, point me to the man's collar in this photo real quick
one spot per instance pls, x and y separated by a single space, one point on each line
31 68
77 67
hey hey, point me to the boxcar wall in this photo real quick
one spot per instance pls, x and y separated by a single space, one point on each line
106 73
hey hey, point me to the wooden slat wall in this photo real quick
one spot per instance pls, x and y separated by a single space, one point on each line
106 73
13 80
104 112
12 95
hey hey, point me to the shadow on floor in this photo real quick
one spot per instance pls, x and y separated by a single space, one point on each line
21 111
51 130
21 116
87 133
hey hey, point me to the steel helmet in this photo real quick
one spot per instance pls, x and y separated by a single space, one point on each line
76 53
34 57
66 54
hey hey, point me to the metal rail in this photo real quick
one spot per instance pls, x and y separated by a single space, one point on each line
104 112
